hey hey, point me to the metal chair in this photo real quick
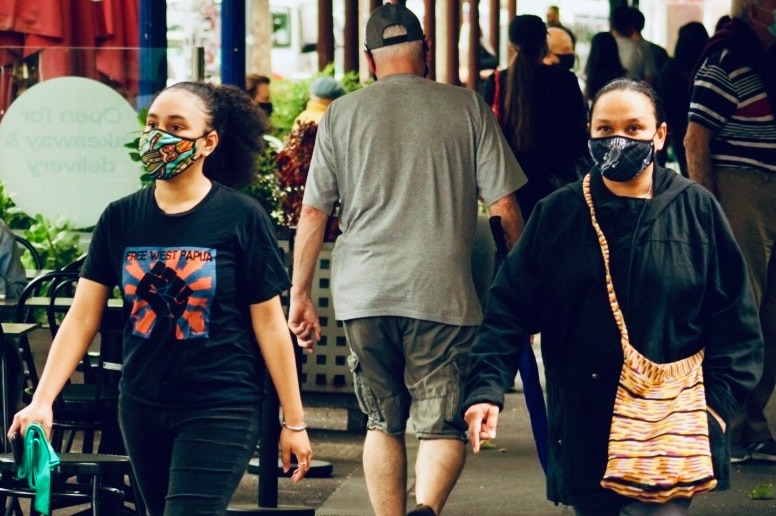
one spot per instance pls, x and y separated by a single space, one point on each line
86 407
79 479
33 252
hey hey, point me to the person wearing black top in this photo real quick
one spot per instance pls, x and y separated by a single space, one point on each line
674 83
541 112
198 267
681 284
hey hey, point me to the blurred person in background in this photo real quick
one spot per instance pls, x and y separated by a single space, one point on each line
323 91
13 277
635 55
658 54
603 64
723 20
560 49
731 150
552 19
674 82
257 87
541 112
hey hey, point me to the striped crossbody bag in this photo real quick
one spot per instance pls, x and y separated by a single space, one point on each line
659 436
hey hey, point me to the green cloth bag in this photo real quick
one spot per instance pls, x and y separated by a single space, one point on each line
38 460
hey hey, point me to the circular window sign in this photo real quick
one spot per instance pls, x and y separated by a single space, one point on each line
62 149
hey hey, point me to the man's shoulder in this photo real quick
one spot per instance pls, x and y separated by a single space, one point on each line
726 58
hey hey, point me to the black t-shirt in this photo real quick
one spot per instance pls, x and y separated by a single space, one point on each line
188 280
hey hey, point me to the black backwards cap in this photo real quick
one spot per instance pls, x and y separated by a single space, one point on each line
388 15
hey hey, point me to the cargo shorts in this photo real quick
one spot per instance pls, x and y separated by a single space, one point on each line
406 368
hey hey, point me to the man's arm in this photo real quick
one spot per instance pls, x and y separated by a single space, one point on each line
697 146
302 316
511 218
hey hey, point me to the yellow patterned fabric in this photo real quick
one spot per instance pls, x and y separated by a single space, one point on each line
659 436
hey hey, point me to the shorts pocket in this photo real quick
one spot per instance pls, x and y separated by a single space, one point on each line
367 401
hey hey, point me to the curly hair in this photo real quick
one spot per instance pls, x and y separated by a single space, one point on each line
230 111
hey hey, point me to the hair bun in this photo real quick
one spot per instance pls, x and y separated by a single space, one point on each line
528 30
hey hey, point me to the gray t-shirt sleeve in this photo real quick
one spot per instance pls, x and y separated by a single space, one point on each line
321 190
498 172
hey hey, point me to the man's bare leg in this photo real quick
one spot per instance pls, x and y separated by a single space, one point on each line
385 469
438 466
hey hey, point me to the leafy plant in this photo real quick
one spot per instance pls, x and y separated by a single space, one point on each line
293 162
57 242
290 96
265 188
11 214
133 145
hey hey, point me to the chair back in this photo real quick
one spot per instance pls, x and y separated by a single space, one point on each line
35 257
75 265
11 383
36 288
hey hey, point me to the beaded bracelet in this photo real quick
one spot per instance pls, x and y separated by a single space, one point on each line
299 428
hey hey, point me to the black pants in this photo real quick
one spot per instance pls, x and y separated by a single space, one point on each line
188 461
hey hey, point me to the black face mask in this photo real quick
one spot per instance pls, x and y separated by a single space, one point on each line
566 61
620 158
267 107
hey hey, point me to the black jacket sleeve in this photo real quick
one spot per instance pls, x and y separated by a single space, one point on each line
510 315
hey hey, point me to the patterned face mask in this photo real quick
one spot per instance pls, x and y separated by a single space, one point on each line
620 158
165 155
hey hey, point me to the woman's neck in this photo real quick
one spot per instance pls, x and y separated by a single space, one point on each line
640 187
181 194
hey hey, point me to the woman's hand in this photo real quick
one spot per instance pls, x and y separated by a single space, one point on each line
35 412
482 419
298 443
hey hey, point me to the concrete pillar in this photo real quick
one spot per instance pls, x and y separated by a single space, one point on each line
352 48
260 32
429 27
325 33
473 59
494 27
447 57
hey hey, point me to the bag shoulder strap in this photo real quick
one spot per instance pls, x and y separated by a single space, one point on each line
613 303
673 369
495 106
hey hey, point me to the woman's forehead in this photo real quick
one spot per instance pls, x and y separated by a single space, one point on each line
624 103
178 103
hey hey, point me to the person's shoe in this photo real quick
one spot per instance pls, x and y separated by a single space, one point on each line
422 510
764 450
739 454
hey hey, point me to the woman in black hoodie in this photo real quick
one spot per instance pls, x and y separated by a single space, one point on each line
680 281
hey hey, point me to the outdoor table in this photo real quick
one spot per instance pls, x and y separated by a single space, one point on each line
16 330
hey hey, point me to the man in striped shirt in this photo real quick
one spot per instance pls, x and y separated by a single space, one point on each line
731 150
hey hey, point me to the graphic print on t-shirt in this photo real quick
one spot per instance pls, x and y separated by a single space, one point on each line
170 286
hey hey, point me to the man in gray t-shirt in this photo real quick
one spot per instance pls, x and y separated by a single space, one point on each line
635 53
407 159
